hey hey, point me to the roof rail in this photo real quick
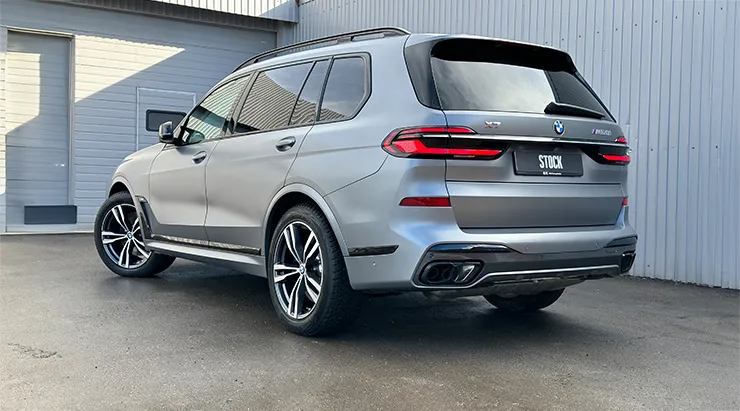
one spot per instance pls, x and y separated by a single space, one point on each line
338 38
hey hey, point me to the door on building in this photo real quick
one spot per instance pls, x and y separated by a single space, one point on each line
177 180
155 107
38 140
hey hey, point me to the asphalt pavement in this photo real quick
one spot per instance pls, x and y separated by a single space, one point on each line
73 336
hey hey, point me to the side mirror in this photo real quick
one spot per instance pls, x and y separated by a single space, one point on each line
166 133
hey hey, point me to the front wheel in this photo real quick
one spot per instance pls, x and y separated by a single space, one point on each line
120 242
309 286
525 303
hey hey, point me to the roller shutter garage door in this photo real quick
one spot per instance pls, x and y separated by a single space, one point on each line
37 124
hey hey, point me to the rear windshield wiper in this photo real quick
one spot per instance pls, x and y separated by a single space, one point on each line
571 110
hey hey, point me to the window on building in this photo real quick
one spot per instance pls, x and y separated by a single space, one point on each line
305 108
345 89
208 119
270 101
155 118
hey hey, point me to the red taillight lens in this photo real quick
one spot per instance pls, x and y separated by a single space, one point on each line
441 142
616 159
622 140
425 202
625 201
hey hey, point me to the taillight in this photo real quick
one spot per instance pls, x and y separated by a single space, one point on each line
441 142
622 140
616 158
612 155
625 201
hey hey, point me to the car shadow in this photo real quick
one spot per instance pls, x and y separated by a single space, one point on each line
422 326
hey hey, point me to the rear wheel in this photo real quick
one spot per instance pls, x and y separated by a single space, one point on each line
525 303
120 242
309 286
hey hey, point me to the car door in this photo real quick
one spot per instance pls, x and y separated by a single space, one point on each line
177 185
249 167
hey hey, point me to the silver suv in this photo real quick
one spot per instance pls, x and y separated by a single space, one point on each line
384 161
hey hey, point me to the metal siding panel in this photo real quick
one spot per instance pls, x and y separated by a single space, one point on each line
733 107
141 51
674 196
3 43
284 10
224 13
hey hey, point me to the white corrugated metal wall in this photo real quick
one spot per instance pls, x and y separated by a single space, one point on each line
670 72
285 10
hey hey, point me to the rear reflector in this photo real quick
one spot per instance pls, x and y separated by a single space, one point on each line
441 142
425 202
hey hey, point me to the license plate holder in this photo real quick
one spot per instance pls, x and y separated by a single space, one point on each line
547 163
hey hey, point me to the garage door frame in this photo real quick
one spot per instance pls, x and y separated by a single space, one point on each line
70 100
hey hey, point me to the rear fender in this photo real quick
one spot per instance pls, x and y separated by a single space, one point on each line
320 202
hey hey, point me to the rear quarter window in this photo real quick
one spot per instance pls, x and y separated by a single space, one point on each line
346 89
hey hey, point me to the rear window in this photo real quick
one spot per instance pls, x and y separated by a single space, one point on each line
506 78
271 100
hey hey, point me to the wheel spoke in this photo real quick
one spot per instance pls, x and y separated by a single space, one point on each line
290 242
136 226
313 288
140 247
295 299
112 237
281 277
119 216
312 291
124 253
311 246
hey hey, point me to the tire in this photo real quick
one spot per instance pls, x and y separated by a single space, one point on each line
302 306
116 209
525 303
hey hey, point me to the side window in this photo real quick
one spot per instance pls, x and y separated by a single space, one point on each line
271 99
208 119
345 89
305 108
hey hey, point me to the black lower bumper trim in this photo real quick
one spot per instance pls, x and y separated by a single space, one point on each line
366 251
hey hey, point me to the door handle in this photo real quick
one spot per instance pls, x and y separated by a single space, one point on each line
285 144
199 157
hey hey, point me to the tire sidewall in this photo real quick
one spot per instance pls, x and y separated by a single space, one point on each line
309 217
148 269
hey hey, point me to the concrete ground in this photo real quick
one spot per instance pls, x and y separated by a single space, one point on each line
75 336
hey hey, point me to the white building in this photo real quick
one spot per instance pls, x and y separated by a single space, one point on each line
83 83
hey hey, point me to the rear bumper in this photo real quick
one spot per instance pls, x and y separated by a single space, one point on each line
465 266
452 263
500 257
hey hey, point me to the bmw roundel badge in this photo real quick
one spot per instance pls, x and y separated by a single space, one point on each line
558 127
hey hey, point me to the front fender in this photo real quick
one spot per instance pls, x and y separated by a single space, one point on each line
319 200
